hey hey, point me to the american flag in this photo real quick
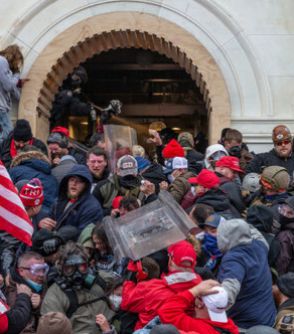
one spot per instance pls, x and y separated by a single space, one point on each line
13 216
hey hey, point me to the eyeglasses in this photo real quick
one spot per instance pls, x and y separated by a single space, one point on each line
284 142
37 269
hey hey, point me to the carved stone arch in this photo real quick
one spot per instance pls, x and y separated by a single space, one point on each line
110 41
121 30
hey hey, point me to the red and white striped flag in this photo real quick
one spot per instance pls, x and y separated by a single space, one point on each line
13 216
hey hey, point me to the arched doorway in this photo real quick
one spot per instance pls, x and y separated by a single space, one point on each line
151 86
167 39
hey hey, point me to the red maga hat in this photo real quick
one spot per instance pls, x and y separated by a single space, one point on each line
206 178
230 162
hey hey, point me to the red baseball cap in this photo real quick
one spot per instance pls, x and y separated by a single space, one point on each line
230 162
206 178
181 252
62 130
173 149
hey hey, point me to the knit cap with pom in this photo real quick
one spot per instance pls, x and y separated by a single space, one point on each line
173 149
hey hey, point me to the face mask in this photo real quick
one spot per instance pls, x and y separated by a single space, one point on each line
235 151
115 301
35 286
210 244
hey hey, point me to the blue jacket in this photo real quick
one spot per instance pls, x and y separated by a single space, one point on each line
84 211
244 272
28 165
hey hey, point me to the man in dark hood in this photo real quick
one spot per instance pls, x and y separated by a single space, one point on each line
75 205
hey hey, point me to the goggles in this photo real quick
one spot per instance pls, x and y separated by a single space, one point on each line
73 264
37 269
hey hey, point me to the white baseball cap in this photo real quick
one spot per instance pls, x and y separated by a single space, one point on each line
216 305
179 163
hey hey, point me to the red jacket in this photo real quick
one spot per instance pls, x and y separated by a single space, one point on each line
146 297
3 323
173 312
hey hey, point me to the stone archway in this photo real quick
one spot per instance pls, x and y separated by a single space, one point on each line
118 30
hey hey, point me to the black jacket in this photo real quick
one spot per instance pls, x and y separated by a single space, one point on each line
270 159
232 191
20 314
217 199
5 149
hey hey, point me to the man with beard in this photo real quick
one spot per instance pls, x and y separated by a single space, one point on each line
98 165
281 155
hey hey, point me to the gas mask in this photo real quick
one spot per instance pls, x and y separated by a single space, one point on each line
76 272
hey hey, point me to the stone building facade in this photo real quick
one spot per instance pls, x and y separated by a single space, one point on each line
239 52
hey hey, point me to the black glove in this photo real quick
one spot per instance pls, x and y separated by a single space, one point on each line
50 246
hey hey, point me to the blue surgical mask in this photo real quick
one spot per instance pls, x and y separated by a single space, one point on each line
35 286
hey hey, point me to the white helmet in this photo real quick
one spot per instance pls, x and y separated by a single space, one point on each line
251 182
213 150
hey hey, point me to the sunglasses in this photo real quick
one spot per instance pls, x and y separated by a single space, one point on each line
37 269
284 142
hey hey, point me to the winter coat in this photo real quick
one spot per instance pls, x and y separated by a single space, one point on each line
108 189
8 85
83 319
285 261
270 158
233 192
146 297
28 165
17 317
244 272
66 164
5 155
84 211
173 311
220 202
180 186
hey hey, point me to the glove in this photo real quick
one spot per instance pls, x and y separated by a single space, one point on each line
50 246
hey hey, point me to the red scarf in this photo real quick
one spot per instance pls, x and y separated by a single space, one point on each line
13 150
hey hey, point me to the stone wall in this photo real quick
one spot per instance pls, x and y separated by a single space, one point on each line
248 43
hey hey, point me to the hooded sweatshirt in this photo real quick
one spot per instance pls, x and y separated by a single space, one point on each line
244 272
84 211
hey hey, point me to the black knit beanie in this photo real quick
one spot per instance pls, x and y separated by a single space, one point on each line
22 130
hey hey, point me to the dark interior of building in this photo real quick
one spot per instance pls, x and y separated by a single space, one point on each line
152 88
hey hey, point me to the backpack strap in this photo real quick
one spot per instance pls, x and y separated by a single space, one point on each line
74 303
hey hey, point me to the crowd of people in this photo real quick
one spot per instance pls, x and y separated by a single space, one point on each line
232 274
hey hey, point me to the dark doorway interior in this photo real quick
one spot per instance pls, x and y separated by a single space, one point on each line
151 87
